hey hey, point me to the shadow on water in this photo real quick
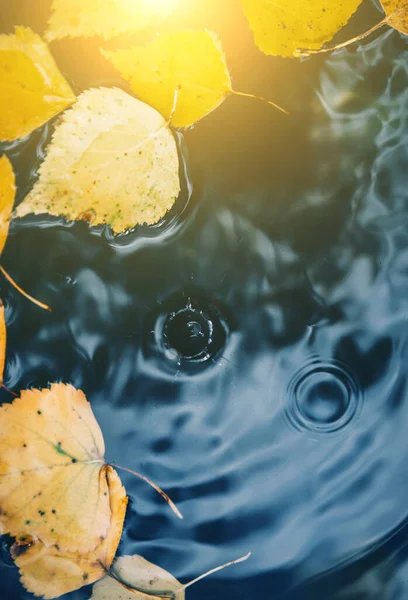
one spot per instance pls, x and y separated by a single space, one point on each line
249 353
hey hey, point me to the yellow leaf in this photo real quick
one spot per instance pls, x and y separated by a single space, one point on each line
111 160
104 17
48 572
32 88
53 479
283 26
3 341
397 11
135 575
7 196
192 61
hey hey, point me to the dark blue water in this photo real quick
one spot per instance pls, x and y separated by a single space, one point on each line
249 353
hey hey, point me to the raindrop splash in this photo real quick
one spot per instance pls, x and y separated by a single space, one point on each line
323 397
191 332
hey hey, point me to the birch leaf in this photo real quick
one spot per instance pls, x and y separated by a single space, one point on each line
48 572
104 17
7 196
32 88
111 160
397 11
54 483
281 27
3 342
191 61
139 575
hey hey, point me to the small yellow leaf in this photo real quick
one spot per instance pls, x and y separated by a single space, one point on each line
137 575
111 160
189 61
53 478
7 196
48 572
397 11
283 26
3 341
32 88
104 17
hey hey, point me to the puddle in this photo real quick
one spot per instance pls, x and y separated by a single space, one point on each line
249 354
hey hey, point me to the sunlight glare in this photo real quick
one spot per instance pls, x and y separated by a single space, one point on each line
157 5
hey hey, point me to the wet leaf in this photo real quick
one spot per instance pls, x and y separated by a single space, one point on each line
134 577
54 483
191 61
49 572
32 88
3 341
281 27
7 197
112 160
397 13
139 575
104 17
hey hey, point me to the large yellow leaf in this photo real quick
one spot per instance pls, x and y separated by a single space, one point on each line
189 61
111 160
138 574
32 88
53 479
48 572
397 11
282 26
104 17
7 196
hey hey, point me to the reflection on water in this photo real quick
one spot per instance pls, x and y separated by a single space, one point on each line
250 354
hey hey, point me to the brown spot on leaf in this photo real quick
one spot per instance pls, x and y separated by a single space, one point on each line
21 545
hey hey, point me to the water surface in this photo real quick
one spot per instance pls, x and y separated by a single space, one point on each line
248 354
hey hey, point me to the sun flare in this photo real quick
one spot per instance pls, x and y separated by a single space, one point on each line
165 5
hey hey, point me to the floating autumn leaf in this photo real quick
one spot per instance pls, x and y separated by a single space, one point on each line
189 61
281 27
53 479
54 483
49 572
7 196
3 342
397 14
106 18
133 575
111 160
32 88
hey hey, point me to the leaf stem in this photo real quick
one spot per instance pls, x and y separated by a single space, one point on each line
305 52
168 593
154 486
174 107
246 95
228 564
19 289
